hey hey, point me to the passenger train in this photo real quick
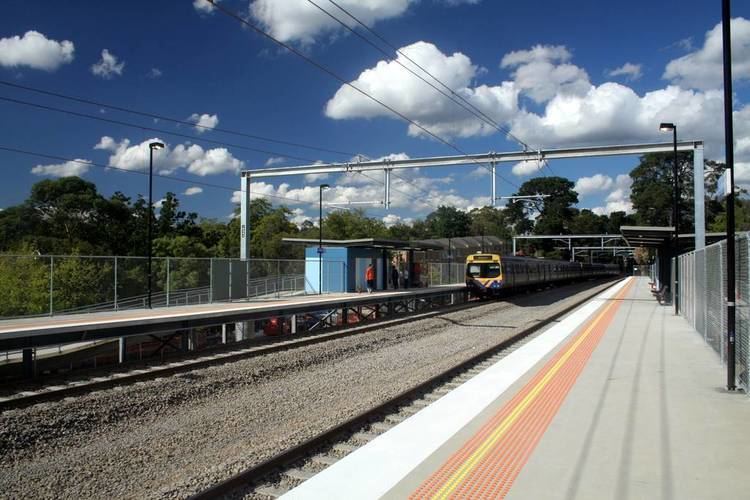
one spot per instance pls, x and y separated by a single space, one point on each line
490 274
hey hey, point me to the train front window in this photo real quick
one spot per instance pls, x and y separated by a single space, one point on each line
490 270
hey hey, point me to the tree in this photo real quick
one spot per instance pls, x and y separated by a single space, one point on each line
652 192
553 214
352 224
448 222
618 219
489 221
270 229
587 222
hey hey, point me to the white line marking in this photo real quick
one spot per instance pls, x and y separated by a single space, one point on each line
372 470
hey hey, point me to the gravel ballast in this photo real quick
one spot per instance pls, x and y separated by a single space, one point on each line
174 436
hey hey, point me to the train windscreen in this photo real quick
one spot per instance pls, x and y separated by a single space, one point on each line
489 270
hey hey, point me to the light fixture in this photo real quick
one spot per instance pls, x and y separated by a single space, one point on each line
666 127
156 145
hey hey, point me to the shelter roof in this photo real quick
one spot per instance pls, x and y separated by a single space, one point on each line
384 244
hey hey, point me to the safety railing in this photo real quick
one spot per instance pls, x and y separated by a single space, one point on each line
36 285
444 273
702 299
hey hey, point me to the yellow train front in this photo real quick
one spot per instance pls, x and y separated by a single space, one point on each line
484 274
490 274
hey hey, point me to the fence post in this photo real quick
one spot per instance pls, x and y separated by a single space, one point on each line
115 283
167 284
278 278
211 282
51 283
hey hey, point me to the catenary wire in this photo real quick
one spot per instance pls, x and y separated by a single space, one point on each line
152 129
139 172
474 110
337 77
170 119
390 59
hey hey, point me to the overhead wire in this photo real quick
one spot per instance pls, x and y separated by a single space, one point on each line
153 129
467 105
390 59
140 172
155 116
340 79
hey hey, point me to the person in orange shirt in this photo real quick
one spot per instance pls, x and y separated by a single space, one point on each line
370 277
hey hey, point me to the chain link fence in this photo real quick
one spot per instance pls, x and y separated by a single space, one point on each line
445 273
703 285
49 285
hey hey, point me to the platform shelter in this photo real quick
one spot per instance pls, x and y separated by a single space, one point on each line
344 263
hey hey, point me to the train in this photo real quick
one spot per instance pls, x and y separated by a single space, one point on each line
490 275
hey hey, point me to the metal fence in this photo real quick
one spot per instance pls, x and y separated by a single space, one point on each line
49 285
444 273
702 298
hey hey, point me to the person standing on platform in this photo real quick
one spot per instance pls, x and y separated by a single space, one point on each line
394 276
370 278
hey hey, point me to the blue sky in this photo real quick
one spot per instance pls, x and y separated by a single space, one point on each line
595 73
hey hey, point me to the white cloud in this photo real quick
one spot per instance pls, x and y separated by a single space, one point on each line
298 217
69 168
631 71
192 157
193 190
315 177
619 199
155 73
35 51
108 67
392 84
588 185
479 172
539 75
527 167
203 6
204 122
275 160
702 69
300 21
393 219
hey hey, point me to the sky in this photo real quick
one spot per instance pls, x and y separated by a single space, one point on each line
553 74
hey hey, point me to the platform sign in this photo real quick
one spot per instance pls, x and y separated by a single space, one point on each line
321 250
722 186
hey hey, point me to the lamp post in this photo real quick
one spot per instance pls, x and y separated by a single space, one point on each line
729 150
320 240
151 147
666 127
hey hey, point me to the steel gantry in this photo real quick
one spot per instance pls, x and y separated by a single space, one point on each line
486 159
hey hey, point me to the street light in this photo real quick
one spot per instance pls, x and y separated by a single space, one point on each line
320 240
666 127
151 147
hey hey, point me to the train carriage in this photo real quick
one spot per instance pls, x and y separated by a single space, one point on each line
490 274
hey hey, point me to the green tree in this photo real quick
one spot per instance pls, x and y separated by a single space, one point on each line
552 214
489 221
652 191
448 222
270 229
352 224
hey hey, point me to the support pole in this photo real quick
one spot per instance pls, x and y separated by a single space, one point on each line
387 200
494 183
245 216
122 350
729 147
699 197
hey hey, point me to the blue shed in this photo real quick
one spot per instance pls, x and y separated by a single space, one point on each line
344 262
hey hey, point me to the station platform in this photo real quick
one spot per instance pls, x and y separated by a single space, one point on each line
619 399
52 330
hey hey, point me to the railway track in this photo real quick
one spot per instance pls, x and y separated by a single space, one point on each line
28 395
289 468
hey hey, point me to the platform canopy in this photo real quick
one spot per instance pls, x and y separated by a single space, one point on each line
366 243
661 236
